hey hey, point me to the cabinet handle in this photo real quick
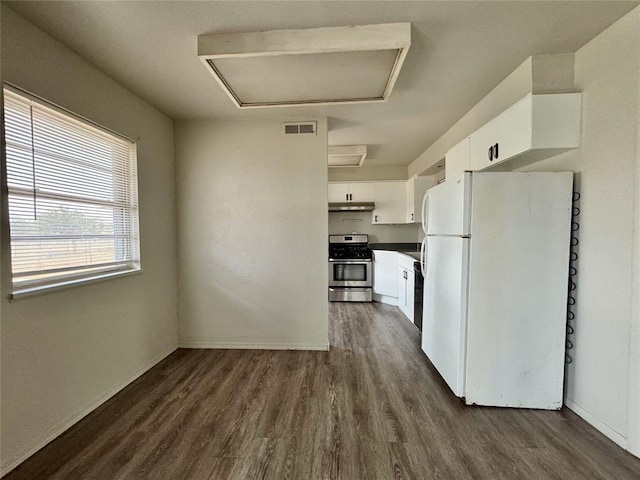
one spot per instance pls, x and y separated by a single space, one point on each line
346 197
495 150
412 217
375 218
490 154
351 197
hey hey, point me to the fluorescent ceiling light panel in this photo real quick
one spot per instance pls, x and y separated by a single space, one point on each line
316 66
347 155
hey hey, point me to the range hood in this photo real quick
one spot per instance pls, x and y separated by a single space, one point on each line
352 207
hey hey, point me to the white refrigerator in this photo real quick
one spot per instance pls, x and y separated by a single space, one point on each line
495 258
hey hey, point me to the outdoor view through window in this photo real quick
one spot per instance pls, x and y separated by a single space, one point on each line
73 205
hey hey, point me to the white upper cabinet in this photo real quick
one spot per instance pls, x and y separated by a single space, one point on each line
396 201
536 127
457 160
350 192
391 202
361 192
338 192
416 188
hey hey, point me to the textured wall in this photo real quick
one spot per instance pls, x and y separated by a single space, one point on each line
252 210
64 352
597 384
360 222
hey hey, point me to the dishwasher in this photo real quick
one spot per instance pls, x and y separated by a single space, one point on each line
417 295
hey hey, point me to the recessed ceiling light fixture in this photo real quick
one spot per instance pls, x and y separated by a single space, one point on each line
347 155
318 66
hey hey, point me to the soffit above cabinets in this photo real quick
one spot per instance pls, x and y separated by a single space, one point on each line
318 66
346 155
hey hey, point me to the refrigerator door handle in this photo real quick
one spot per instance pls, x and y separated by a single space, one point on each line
423 257
425 205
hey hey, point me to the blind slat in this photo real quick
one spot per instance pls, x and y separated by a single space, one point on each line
73 205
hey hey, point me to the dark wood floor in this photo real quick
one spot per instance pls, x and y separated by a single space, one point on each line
371 408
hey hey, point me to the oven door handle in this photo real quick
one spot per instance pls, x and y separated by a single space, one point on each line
333 260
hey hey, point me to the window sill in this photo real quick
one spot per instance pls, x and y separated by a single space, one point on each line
27 292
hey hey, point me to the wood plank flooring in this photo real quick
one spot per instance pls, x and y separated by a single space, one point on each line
370 408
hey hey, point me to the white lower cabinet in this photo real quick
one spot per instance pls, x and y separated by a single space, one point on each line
406 285
385 280
393 280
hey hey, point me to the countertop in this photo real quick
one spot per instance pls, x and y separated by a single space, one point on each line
410 249
414 255
398 247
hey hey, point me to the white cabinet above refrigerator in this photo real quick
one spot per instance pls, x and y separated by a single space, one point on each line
536 127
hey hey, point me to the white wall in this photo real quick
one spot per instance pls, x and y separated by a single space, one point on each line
364 173
65 352
598 382
634 337
360 222
252 211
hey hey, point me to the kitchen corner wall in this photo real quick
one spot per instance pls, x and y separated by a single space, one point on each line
66 352
252 235
367 174
360 222
603 382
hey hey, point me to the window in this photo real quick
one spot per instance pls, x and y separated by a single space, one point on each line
73 206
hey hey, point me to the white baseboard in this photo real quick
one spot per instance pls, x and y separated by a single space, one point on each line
256 346
597 423
71 420
385 299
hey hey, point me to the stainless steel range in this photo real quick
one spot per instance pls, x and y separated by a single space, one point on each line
350 268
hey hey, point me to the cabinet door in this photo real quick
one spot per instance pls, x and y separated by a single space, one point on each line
391 201
410 294
416 188
385 273
411 207
510 131
361 192
337 192
402 289
457 160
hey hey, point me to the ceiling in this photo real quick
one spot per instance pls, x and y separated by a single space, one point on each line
459 52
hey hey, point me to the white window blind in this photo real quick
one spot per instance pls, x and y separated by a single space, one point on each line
73 204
